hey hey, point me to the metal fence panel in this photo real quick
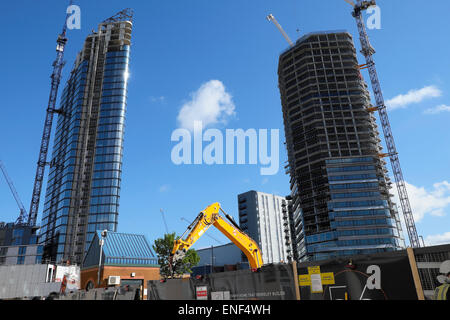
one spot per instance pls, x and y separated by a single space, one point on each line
385 276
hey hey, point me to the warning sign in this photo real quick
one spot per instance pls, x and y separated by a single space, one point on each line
315 279
328 278
314 270
202 293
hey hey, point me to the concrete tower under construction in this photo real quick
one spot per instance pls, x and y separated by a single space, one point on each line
83 188
341 203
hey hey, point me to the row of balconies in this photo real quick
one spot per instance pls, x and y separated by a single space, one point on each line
311 77
308 48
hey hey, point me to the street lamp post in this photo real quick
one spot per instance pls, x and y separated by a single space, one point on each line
101 243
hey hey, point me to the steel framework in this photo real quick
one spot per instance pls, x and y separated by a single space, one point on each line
21 219
124 15
58 66
368 51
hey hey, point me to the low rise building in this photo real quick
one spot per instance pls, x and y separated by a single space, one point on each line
17 255
18 245
122 259
37 280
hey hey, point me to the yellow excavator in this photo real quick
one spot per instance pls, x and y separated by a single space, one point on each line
211 216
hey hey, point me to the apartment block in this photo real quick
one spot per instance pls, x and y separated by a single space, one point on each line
340 188
264 217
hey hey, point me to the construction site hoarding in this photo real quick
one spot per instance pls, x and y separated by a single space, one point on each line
400 275
272 282
385 276
19 281
111 293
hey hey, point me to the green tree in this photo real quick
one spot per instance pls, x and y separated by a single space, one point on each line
163 248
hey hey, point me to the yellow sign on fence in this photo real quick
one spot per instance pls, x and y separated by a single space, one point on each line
319 279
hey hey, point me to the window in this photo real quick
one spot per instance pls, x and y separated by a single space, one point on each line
22 251
21 260
353 204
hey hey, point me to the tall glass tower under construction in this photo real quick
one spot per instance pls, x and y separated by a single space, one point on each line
341 203
83 188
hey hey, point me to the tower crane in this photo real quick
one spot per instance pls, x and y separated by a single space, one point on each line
21 219
58 65
271 18
368 51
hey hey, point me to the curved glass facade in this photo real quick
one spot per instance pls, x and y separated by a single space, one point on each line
83 188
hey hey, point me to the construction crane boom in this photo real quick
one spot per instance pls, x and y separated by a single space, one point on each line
368 51
58 66
271 18
23 212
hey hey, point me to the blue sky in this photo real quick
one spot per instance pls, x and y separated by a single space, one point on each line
178 46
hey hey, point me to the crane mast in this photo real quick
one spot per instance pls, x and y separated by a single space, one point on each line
368 51
21 219
58 66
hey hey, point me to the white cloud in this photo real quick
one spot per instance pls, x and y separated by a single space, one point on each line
423 202
413 96
437 239
438 109
211 104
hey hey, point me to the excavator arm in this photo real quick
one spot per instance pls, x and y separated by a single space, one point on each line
211 216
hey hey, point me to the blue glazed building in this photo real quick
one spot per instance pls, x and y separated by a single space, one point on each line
123 259
83 188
